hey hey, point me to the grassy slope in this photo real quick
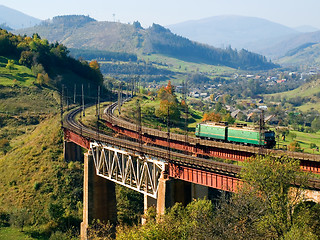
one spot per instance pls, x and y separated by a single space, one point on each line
29 162
194 116
33 173
304 139
22 74
306 90
182 68
13 234
308 56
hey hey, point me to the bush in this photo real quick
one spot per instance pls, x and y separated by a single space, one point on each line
294 147
20 218
4 219
4 145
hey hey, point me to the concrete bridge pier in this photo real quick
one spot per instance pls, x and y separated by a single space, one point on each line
99 197
71 151
171 191
148 202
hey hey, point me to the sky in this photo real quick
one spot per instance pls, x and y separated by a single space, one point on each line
292 13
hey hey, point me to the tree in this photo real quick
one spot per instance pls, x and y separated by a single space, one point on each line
283 132
20 218
272 179
167 93
27 58
4 145
228 118
295 147
214 117
94 65
238 217
170 88
218 106
4 218
212 97
129 206
313 145
37 68
315 124
168 107
100 230
40 79
226 98
10 65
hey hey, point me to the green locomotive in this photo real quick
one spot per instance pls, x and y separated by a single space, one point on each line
239 134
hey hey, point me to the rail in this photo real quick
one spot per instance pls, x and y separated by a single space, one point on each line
109 116
176 158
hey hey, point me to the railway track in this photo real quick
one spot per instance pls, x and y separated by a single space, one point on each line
136 148
175 158
193 141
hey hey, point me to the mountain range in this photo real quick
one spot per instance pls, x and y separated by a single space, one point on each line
255 34
13 19
267 38
237 31
307 54
83 32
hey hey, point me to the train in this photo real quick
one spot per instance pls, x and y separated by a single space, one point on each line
239 133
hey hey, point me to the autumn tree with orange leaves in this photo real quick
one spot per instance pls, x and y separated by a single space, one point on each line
168 103
214 117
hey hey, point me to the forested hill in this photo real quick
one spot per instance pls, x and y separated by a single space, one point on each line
161 40
86 33
49 62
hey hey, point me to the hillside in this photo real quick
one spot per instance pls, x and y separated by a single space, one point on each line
305 55
306 28
86 33
14 19
238 31
50 64
34 176
37 185
305 97
281 48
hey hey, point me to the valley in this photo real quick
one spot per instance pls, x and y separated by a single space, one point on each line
267 78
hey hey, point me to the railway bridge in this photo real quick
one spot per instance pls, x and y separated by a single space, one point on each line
162 175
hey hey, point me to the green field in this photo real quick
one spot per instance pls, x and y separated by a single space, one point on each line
304 139
11 233
183 66
19 75
308 89
308 56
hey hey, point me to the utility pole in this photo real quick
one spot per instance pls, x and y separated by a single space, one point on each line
168 131
67 98
186 110
83 101
139 124
119 98
98 102
61 106
261 126
132 86
98 113
74 93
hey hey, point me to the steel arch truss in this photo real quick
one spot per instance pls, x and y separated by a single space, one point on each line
140 173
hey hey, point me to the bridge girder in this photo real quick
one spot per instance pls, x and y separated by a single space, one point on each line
136 171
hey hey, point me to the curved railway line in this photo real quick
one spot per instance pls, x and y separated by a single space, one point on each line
194 141
175 158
